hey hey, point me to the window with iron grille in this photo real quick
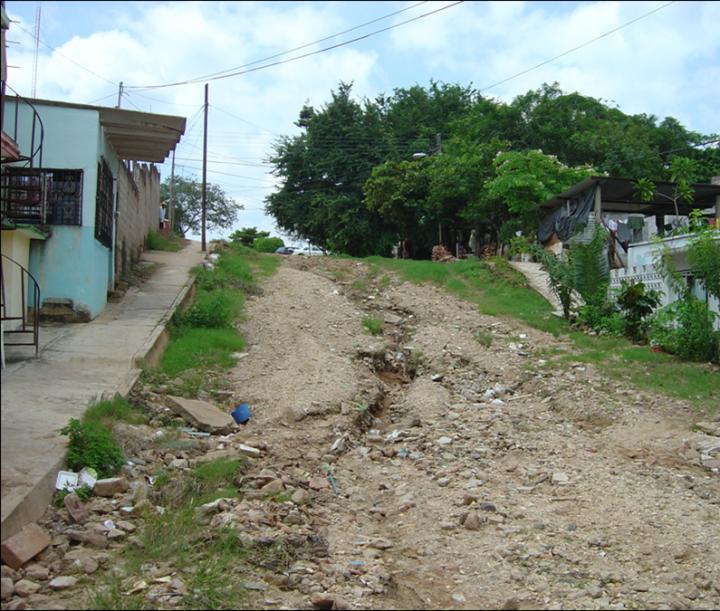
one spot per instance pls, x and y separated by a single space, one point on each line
42 196
104 205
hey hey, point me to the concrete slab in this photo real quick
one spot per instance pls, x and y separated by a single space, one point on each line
78 364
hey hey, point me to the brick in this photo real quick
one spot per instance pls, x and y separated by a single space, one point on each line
23 546
111 486
75 508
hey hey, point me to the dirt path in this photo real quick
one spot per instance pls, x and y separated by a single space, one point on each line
469 476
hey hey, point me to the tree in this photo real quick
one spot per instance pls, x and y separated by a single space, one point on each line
523 180
247 235
221 210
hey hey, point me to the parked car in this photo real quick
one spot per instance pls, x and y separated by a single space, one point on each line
309 251
285 250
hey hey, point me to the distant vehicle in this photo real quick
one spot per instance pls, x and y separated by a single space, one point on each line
309 251
285 250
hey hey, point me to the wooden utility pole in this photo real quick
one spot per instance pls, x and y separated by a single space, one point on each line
438 150
204 178
120 92
171 203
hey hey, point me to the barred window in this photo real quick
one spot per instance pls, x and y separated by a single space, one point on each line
42 196
104 205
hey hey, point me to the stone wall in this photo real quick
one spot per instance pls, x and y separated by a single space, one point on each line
138 212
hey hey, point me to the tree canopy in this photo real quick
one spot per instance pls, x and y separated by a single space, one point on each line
352 181
221 210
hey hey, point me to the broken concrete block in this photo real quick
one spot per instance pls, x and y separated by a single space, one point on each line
248 450
23 546
111 486
202 415
76 509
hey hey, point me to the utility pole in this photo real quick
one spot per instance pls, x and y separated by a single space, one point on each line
438 150
38 13
171 204
120 92
204 178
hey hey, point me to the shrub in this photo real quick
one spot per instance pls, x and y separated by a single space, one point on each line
602 317
213 309
636 304
84 493
685 328
92 445
267 244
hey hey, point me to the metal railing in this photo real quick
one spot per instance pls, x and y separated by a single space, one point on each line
29 317
37 131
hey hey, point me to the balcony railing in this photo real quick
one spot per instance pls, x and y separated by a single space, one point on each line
34 157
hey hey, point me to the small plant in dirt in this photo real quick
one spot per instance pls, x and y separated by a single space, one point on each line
686 328
416 361
92 445
207 482
84 494
373 324
483 338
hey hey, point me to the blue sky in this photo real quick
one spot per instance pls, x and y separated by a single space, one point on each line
667 64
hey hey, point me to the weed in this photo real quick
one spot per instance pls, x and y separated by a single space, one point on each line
156 241
384 281
197 348
216 308
84 493
92 445
114 410
373 325
416 360
360 284
205 483
483 338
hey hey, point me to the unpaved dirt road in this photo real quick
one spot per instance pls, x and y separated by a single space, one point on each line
470 476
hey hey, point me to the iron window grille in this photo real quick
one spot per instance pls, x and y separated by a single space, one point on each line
104 205
42 196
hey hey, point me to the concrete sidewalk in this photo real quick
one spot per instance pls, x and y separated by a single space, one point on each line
78 364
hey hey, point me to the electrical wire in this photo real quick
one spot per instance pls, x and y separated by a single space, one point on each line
310 44
61 54
585 44
297 57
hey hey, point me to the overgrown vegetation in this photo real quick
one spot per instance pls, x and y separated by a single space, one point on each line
204 336
267 244
499 290
91 444
156 241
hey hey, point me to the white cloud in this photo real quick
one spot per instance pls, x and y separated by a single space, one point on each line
666 64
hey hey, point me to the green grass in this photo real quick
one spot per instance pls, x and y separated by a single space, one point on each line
201 347
114 410
483 338
373 325
156 241
498 290
203 337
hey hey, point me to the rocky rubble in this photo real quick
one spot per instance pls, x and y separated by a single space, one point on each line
475 478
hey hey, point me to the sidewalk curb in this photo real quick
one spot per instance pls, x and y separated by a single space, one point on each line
34 504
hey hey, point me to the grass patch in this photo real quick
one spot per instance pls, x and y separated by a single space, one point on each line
483 338
373 325
499 290
198 348
204 484
115 410
156 241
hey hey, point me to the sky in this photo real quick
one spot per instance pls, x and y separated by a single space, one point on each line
665 64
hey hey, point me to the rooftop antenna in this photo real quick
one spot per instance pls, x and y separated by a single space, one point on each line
38 12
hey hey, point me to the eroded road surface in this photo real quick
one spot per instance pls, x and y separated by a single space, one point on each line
444 463
468 475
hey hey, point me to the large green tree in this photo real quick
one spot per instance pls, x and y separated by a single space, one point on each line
221 210
349 185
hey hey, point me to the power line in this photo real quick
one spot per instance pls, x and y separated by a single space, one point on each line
585 44
297 57
66 57
309 44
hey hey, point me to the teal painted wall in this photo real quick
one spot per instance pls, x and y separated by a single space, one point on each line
71 264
